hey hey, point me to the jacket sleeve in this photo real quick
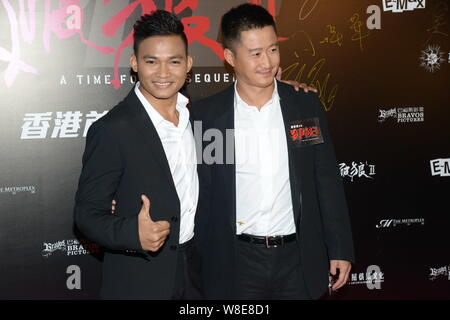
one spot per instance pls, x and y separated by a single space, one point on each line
99 180
330 190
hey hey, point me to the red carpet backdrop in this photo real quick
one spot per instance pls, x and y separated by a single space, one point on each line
382 70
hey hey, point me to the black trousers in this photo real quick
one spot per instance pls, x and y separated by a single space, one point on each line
187 277
269 273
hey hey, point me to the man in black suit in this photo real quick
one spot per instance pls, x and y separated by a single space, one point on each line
144 149
272 220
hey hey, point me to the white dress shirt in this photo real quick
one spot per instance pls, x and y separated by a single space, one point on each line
179 147
263 190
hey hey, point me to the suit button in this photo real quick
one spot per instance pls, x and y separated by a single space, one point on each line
174 219
173 247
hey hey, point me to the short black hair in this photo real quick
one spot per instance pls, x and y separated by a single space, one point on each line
158 23
243 18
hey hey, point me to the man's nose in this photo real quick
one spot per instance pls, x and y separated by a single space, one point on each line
266 62
163 71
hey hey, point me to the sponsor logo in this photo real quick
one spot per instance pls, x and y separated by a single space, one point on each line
60 124
71 247
431 58
372 278
398 6
15 190
440 167
439 272
389 223
408 114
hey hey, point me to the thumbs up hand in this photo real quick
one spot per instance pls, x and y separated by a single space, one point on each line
151 234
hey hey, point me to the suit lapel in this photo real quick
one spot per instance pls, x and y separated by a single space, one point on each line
224 121
143 124
291 111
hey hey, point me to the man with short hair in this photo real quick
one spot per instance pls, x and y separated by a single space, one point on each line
273 222
143 149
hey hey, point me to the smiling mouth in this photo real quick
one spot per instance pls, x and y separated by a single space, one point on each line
162 84
266 72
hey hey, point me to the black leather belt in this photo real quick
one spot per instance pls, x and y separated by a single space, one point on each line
268 241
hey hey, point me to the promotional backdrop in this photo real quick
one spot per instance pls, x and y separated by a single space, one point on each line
382 71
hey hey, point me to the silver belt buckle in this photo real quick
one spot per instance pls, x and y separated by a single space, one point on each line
267 242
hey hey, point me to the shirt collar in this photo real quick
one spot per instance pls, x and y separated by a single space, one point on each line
239 102
155 116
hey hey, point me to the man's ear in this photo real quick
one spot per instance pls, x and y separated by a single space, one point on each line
190 61
133 63
229 56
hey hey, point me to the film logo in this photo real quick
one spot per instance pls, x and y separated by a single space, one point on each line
305 132
72 247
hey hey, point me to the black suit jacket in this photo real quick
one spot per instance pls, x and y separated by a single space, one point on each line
123 159
318 199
